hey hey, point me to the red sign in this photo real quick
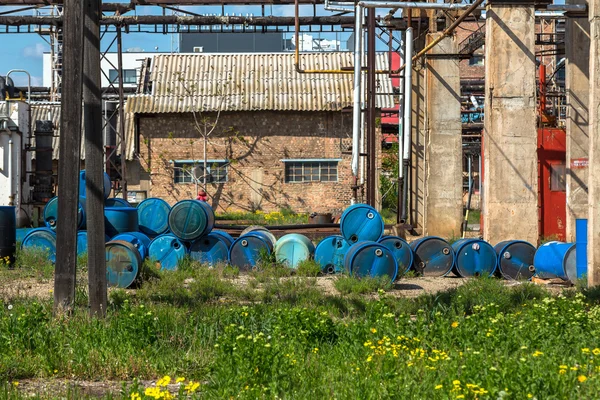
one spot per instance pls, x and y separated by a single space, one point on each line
578 163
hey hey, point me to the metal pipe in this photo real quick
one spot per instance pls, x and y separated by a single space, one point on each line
122 115
11 195
356 112
371 105
407 120
466 221
413 4
399 189
332 6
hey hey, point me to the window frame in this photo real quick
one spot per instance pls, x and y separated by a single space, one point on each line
299 166
126 79
187 178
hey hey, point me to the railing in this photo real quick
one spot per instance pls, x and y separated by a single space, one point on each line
473 42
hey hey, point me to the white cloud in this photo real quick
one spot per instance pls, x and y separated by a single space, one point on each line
35 51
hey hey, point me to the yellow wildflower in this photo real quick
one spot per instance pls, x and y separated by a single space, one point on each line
529 395
164 381
585 350
562 371
456 382
537 353
16 383
369 359
135 396
373 330
563 366
192 387
179 380
438 387
582 378
460 396
596 351
455 324
316 350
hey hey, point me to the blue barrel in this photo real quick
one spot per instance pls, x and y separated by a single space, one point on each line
82 190
22 232
361 222
581 241
8 234
82 242
226 237
167 250
292 249
515 259
41 238
433 256
263 231
140 241
51 214
191 219
474 257
116 202
246 251
330 253
371 259
123 263
209 249
153 216
401 251
120 220
556 260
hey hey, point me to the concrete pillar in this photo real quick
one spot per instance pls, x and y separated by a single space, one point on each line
594 130
444 165
578 95
510 206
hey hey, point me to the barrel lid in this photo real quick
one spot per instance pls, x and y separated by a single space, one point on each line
167 250
188 220
474 258
371 259
123 262
247 250
209 249
51 213
330 252
433 256
515 259
153 216
570 263
43 238
140 241
401 251
361 222
261 231
293 248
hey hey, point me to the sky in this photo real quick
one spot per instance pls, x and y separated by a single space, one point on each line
24 51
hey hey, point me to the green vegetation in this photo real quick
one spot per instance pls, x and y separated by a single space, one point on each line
282 217
474 217
346 284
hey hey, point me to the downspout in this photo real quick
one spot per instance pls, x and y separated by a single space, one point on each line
356 111
407 120
11 195
400 188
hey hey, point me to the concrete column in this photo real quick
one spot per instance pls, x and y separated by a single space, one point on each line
510 206
578 95
444 148
594 130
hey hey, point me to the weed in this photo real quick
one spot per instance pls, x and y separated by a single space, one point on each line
347 284
32 262
308 268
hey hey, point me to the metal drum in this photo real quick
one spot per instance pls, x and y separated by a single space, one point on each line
123 263
293 248
22 232
116 202
8 234
433 256
167 250
474 257
82 242
401 251
361 222
371 259
140 241
330 253
51 214
556 260
515 259
120 220
153 216
247 250
82 189
226 237
209 249
191 219
41 238
263 231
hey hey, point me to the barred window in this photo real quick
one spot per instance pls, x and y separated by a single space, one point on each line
189 170
311 171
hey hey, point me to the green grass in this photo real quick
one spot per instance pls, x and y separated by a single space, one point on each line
281 217
347 284
474 217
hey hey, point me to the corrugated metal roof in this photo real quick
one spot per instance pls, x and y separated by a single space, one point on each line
247 82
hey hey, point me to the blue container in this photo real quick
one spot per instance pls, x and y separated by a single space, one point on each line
51 214
263 231
21 233
140 241
120 220
433 256
361 222
116 202
226 237
515 259
123 263
371 259
153 216
82 242
330 253
191 219
401 251
581 241
245 252
556 260
82 190
41 238
474 257
293 248
167 250
8 234
210 249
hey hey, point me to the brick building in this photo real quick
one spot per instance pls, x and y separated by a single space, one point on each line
278 138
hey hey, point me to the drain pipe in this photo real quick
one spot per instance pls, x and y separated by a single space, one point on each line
11 195
400 189
407 122
356 111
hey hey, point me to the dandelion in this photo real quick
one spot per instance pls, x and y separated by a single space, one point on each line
456 382
164 381
455 324
596 351
369 359
537 353
373 330
585 350
582 378
179 380
192 387
529 395
135 396
438 387
460 396
10 307
562 371
15 383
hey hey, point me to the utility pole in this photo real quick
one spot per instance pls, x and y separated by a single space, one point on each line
68 167
371 114
94 155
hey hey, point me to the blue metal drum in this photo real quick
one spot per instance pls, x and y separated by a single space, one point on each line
246 251
433 256
167 250
82 190
226 237
41 238
209 249
474 257
371 259
515 259
330 254
361 222
556 260
21 233
8 234
153 216
401 251
191 219
120 220
264 232
140 241
123 263
51 214
82 242
116 202
293 248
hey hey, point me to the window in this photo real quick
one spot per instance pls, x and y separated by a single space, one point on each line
558 178
476 60
187 171
129 76
311 170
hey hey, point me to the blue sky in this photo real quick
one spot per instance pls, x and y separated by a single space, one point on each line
24 51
